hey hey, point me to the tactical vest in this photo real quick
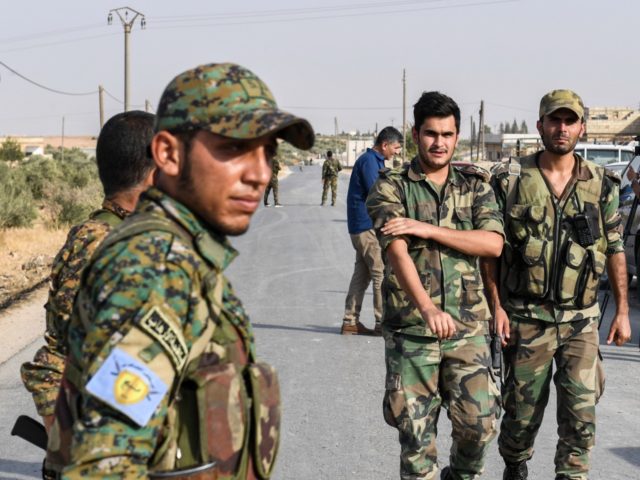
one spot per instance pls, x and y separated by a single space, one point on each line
223 419
554 254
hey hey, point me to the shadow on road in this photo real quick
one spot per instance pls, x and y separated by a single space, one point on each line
8 467
630 454
308 328
622 356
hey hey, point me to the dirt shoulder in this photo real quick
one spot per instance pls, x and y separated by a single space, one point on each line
26 255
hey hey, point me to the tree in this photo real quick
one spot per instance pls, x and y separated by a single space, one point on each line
507 127
10 150
487 129
514 127
523 127
501 127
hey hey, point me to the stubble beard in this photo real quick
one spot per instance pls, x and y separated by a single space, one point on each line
558 149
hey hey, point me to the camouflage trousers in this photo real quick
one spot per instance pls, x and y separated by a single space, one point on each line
326 183
272 185
424 374
579 381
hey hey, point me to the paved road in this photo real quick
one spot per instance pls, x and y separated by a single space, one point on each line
292 274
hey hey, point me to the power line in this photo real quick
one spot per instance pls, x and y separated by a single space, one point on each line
45 87
260 17
324 17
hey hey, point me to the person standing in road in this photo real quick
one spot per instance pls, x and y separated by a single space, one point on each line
434 220
330 169
562 228
273 184
368 266
126 170
161 378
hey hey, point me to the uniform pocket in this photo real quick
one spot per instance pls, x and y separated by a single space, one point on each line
266 415
471 289
223 405
571 272
537 276
594 267
393 402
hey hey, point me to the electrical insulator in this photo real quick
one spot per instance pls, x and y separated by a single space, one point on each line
109 19
143 23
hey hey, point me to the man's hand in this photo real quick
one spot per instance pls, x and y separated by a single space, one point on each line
620 331
631 174
439 322
501 325
407 226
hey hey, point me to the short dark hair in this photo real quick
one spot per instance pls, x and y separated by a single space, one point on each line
389 135
122 153
435 104
329 154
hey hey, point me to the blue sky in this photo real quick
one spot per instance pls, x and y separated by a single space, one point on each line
322 59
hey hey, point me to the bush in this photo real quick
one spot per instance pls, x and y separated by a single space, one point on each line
17 208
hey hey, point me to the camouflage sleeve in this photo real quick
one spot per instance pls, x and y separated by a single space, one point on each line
42 376
486 213
384 202
611 216
143 295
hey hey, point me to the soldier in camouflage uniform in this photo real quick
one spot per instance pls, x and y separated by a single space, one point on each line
330 169
562 228
434 220
161 378
273 184
125 170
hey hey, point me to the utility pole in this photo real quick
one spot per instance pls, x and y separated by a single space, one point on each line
404 116
335 123
101 104
62 142
471 138
481 132
123 14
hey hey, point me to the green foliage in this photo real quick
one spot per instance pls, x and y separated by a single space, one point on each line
65 191
10 150
17 208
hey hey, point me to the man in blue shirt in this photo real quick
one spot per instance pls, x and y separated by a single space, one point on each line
368 266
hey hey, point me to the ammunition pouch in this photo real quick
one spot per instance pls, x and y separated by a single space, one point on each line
238 414
528 261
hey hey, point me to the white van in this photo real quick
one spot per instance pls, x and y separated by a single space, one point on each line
604 153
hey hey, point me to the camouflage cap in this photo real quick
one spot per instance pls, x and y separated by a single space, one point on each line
231 101
557 99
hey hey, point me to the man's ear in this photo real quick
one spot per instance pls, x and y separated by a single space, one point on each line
167 152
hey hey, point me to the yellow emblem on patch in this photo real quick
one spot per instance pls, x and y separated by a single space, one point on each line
129 388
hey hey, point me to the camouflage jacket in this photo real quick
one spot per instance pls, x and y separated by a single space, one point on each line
42 376
331 167
451 278
146 318
548 273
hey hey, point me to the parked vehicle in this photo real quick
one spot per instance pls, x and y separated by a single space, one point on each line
632 244
605 153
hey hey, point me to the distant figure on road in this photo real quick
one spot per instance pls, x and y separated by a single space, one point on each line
368 266
562 229
162 379
273 184
435 220
330 169
125 170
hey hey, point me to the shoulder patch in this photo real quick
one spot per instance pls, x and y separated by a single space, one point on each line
156 324
129 386
474 170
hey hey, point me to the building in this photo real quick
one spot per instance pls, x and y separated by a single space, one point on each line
36 145
501 146
612 124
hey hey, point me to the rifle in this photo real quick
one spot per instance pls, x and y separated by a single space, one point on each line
30 430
